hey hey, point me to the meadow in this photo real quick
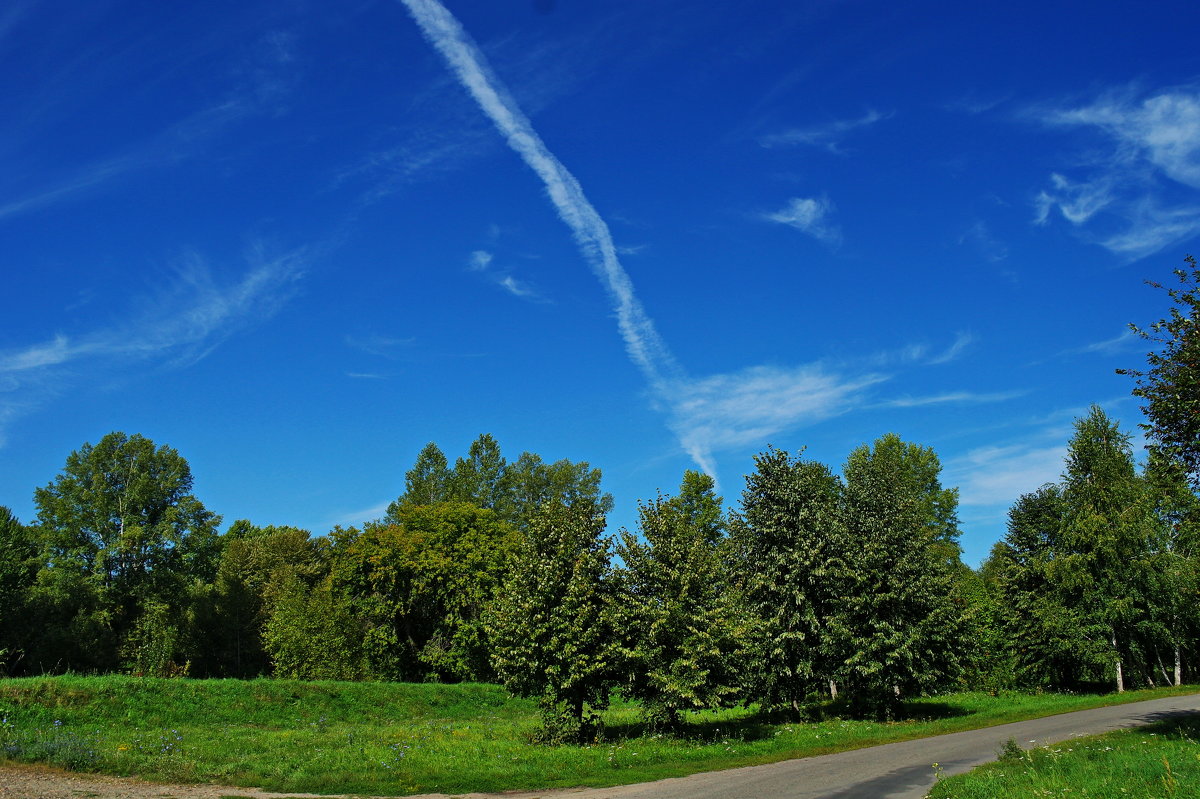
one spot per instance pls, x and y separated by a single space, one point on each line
1160 760
397 738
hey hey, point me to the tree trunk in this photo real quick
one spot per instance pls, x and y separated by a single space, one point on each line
1161 668
1120 675
833 687
1178 666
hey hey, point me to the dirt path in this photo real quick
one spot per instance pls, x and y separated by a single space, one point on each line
894 771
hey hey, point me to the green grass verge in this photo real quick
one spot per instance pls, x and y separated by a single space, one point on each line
396 739
1160 760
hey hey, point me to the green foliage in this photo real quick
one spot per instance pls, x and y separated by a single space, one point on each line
121 513
18 570
117 530
550 625
529 483
1052 647
420 584
1097 575
228 615
987 659
791 551
428 482
897 629
1103 565
310 633
1171 385
152 647
484 478
1011 752
478 478
681 622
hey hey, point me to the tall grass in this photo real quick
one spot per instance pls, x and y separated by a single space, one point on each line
1162 760
381 738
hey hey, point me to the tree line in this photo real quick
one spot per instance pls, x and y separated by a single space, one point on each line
819 587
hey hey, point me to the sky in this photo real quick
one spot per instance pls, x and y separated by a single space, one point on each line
296 242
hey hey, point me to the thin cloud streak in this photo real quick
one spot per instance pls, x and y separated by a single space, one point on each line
179 327
1118 343
827 137
961 342
954 397
261 93
375 344
37 356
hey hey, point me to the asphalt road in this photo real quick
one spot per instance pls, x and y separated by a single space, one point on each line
891 771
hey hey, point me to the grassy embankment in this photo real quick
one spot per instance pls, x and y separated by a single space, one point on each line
379 738
1162 760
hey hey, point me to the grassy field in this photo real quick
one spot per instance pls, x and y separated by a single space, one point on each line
396 739
1152 762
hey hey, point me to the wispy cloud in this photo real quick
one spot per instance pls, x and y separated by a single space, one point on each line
1162 130
919 353
175 327
1076 201
961 342
809 215
996 475
37 356
517 288
1124 341
748 407
481 261
376 344
1149 151
1154 226
827 137
263 85
979 236
357 517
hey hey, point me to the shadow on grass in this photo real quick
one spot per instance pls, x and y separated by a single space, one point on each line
1182 724
756 725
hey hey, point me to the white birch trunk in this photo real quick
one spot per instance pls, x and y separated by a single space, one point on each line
1120 675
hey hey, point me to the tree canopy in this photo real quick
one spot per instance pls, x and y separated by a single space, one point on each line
1170 386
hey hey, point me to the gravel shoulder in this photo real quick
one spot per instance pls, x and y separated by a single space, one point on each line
902 770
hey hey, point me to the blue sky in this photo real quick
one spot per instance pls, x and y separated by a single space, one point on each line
296 242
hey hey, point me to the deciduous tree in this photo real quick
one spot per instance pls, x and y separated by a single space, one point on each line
1171 384
550 626
791 549
118 528
897 628
681 624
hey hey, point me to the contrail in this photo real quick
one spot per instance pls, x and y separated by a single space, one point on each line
646 348
715 412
